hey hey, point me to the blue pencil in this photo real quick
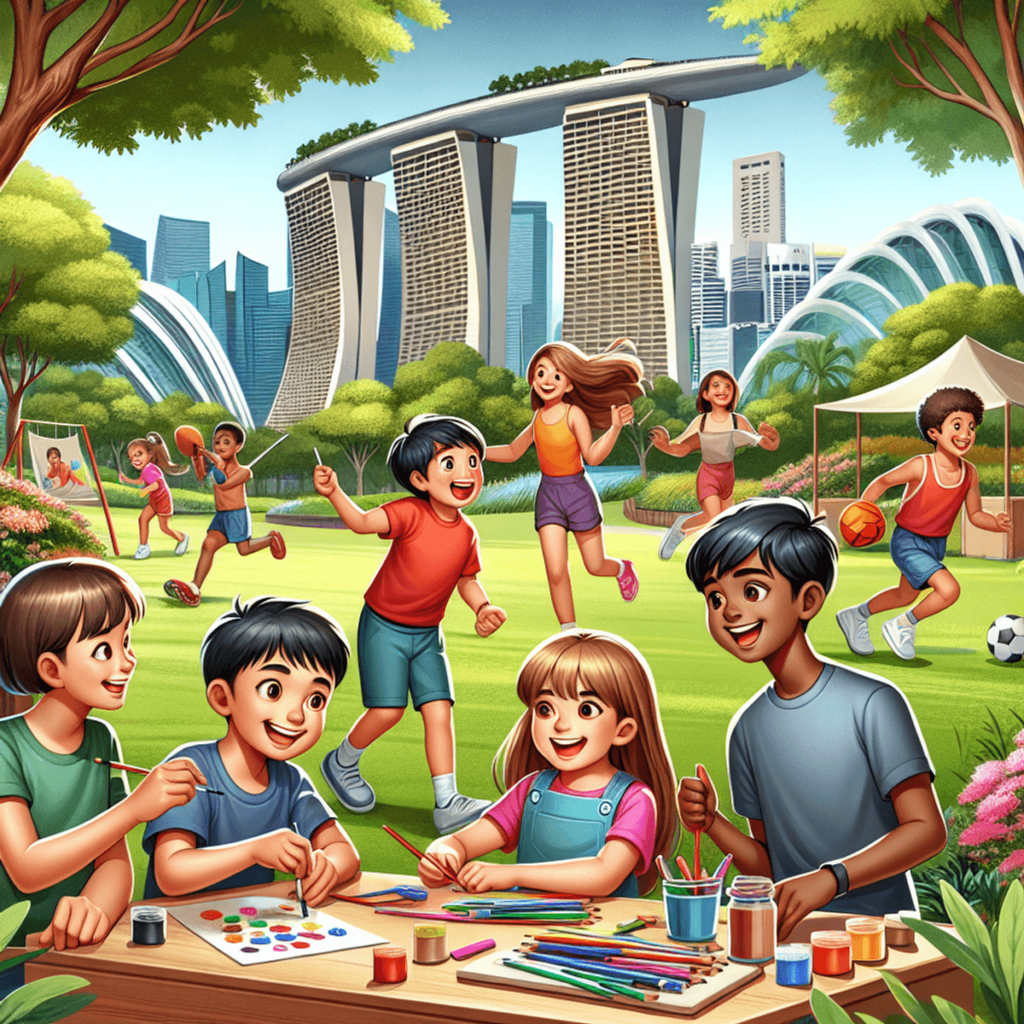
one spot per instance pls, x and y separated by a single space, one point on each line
615 973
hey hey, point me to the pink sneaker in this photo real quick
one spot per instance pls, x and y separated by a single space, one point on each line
277 547
629 585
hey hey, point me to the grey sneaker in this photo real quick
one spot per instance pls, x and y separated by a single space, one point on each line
674 536
460 811
348 785
900 638
142 551
182 546
855 628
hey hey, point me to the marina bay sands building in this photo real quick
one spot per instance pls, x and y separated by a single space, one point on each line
632 153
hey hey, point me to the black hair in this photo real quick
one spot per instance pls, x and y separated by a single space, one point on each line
258 628
50 451
782 531
413 451
232 427
942 402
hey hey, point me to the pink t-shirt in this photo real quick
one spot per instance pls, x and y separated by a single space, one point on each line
151 474
635 819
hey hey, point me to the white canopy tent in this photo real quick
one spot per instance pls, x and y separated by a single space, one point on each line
998 380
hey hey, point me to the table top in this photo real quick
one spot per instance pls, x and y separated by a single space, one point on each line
345 978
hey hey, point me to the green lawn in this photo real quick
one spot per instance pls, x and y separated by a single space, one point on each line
950 684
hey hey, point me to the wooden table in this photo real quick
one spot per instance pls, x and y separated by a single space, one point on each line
186 981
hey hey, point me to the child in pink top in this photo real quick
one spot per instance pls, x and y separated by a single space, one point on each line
590 803
149 455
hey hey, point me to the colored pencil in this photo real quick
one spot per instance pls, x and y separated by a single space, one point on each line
696 855
629 975
663 868
684 868
422 856
298 881
135 769
722 869
558 976
614 986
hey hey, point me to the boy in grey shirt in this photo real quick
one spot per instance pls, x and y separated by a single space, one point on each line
826 763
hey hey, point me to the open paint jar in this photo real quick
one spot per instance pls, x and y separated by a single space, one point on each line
149 926
429 944
831 952
867 935
389 964
752 917
691 908
793 964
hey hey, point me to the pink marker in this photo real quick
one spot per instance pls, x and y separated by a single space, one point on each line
477 947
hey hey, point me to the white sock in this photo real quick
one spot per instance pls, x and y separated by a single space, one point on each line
348 754
567 625
622 568
444 789
193 587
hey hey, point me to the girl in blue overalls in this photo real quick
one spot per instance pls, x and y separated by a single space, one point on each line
590 785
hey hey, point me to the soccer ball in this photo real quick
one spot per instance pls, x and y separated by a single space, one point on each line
1006 638
862 523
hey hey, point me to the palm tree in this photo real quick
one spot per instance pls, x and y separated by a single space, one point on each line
812 363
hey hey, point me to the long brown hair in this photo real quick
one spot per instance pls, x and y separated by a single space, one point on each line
704 404
620 677
612 377
154 444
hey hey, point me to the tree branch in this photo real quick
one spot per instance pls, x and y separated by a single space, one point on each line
1007 30
51 19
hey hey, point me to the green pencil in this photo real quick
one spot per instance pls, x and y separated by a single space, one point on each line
623 990
556 976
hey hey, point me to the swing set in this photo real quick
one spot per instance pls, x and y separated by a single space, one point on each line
16 451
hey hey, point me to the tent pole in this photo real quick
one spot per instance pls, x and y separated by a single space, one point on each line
858 455
1008 540
814 470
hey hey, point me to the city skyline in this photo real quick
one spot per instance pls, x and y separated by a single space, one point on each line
837 193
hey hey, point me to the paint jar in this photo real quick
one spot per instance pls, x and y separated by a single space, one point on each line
752 917
867 935
149 926
691 908
897 931
831 952
389 964
429 943
793 964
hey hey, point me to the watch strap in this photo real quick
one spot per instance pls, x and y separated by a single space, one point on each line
838 868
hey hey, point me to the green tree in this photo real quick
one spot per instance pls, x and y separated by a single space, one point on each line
102 72
351 131
813 363
70 295
943 76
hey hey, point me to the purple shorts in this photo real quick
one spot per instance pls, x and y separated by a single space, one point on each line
567 501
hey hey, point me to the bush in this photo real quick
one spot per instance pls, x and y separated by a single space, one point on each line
127 496
677 492
35 527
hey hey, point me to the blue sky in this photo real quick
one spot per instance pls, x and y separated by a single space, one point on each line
834 193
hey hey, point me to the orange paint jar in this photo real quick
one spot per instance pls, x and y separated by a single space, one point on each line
867 935
389 964
831 953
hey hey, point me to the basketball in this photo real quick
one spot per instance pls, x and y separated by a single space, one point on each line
187 439
862 523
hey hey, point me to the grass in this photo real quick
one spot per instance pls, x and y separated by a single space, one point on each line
950 684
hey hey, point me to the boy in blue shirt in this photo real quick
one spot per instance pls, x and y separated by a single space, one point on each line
270 666
826 763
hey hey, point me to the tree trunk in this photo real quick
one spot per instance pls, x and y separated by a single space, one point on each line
13 415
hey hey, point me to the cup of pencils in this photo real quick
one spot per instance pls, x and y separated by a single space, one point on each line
691 908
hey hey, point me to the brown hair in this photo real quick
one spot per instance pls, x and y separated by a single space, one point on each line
620 677
703 404
47 604
938 404
611 377
154 444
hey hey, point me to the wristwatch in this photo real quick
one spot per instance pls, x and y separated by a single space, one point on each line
838 868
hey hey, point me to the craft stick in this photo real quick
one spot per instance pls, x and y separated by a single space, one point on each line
145 771
319 461
298 881
684 868
722 869
558 976
429 858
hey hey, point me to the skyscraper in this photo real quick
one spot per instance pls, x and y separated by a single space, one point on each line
790 275
182 247
707 289
528 323
631 168
390 327
131 248
454 194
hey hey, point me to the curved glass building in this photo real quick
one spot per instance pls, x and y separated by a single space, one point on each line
964 241
175 349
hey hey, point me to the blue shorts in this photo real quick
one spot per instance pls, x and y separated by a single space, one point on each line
234 523
396 661
917 557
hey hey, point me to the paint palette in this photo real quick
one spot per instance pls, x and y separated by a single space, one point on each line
260 929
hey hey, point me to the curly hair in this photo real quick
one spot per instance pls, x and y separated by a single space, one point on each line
938 404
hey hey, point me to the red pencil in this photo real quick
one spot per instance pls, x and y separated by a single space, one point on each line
422 856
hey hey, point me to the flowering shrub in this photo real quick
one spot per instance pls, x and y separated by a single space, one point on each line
996 833
837 474
35 527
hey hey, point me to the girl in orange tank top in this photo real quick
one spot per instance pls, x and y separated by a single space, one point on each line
571 394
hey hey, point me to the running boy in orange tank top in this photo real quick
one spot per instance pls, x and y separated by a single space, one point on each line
936 486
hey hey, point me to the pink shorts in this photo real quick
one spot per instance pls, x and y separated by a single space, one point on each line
715 478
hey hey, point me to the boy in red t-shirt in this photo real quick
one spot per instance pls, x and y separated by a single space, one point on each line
433 552
936 486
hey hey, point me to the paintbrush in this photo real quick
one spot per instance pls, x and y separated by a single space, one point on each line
298 881
135 769
429 858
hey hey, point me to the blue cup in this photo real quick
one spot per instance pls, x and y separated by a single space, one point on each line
691 909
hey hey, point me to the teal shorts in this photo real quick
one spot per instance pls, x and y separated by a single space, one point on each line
234 523
396 661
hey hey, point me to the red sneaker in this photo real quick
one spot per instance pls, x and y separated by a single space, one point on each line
182 592
277 547
629 585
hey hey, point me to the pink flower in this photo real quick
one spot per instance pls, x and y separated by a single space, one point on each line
1015 763
983 832
1012 863
984 779
997 805
20 520
5 578
1019 738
